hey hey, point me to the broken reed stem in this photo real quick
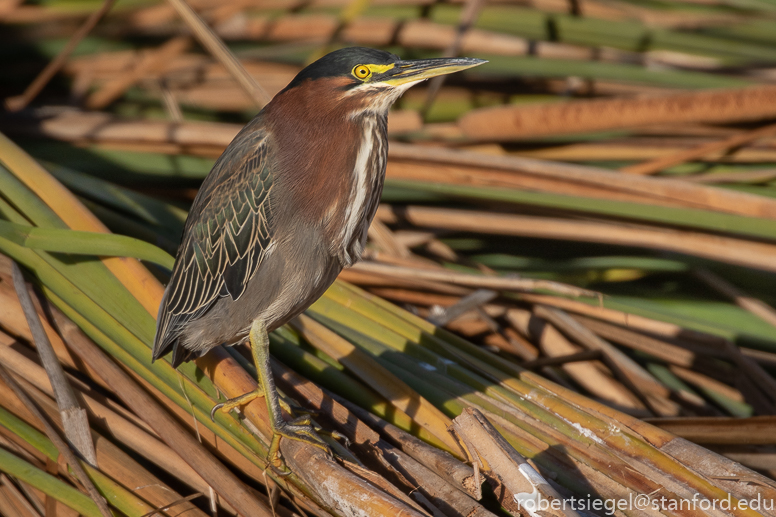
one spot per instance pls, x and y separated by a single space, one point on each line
524 486
694 153
74 419
63 448
20 102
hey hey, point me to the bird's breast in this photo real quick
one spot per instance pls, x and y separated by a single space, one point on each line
330 170
366 184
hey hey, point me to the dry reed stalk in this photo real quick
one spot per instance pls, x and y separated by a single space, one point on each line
7 507
415 296
659 164
411 261
375 376
356 277
20 102
762 176
316 28
625 319
103 127
615 426
757 307
76 338
467 168
469 13
703 381
550 459
467 280
586 355
443 495
18 445
587 375
765 358
724 249
585 337
383 238
752 456
12 320
752 371
654 395
411 33
185 71
635 152
708 106
18 499
457 474
220 52
411 162
151 63
662 350
721 430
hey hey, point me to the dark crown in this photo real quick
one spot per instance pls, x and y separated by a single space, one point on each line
341 62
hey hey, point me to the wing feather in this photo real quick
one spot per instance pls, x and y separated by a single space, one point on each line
226 236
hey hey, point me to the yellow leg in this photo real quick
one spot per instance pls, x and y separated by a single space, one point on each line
298 429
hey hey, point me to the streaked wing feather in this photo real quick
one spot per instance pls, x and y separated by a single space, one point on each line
227 233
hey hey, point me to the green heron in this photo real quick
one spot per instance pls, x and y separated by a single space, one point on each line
284 209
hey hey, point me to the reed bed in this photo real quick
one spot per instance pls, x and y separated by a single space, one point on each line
572 270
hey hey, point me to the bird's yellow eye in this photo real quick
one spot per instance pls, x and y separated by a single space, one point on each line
362 72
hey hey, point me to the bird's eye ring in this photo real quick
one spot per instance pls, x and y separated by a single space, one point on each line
362 71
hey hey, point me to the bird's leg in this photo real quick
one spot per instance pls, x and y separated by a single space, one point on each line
298 429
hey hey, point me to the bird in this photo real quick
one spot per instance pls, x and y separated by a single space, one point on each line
284 209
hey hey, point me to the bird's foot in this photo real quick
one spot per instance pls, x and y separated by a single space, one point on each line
245 398
300 429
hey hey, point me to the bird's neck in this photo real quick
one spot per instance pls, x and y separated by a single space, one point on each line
332 165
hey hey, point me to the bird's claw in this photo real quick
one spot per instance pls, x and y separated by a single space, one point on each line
236 402
213 411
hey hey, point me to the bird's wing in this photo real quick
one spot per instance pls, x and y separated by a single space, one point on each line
227 233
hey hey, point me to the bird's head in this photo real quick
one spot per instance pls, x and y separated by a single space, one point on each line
367 79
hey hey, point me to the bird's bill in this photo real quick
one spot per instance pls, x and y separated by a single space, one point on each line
405 72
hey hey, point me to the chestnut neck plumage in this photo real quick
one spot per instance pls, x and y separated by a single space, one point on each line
337 187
